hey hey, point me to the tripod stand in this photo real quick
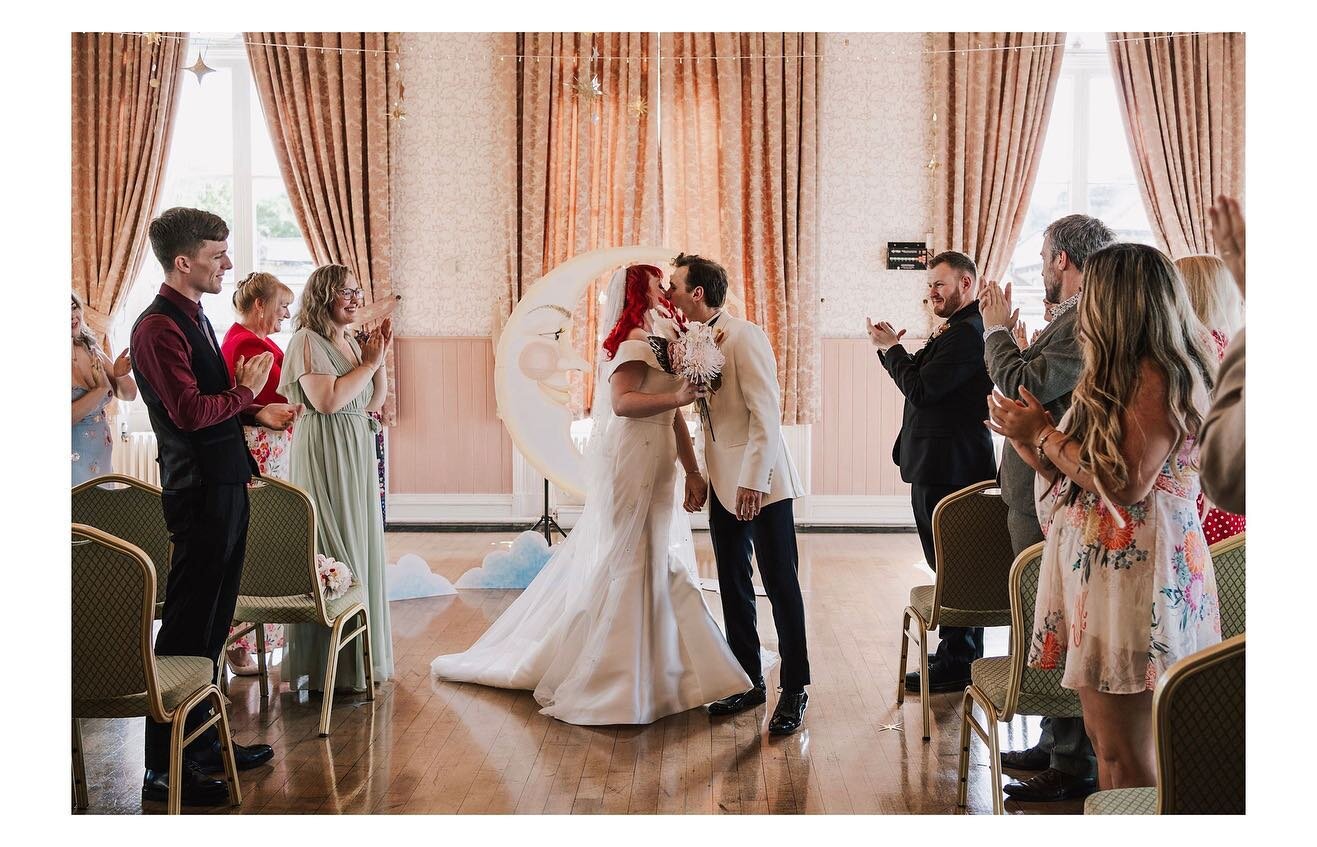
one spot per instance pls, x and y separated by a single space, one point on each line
546 520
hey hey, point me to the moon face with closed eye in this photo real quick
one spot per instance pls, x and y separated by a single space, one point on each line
535 355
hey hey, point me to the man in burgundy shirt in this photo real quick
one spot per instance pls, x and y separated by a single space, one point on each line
197 412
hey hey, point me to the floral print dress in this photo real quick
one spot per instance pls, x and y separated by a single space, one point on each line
1119 605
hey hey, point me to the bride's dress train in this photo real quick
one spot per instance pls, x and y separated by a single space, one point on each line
614 629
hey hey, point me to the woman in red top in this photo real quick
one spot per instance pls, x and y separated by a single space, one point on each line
1216 300
261 302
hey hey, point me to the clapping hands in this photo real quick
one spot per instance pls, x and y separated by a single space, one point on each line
1228 233
995 306
377 344
883 335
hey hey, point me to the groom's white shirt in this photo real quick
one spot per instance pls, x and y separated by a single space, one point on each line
750 450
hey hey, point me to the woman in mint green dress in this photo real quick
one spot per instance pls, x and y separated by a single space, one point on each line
333 460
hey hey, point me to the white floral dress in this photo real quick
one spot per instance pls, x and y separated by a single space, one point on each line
1120 605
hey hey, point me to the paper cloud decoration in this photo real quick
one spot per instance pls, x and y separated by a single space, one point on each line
411 577
511 568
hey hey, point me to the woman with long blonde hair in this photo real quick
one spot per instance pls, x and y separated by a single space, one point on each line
1127 586
96 381
340 381
1216 299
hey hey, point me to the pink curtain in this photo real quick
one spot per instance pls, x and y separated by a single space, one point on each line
740 183
125 93
1183 106
328 114
992 97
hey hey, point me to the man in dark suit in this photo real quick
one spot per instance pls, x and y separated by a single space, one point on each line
943 445
197 409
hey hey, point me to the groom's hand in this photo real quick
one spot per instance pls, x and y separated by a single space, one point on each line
697 492
748 503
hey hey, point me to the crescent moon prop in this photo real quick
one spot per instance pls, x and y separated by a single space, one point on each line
534 354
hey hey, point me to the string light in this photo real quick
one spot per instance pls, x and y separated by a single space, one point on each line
155 37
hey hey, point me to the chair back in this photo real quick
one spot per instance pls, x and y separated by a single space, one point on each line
281 543
1034 691
973 549
113 611
1198 713
1228 565
131 511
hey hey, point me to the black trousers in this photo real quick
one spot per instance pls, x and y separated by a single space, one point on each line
208 526
958 644
772 534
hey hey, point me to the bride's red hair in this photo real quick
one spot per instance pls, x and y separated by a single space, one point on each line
634 305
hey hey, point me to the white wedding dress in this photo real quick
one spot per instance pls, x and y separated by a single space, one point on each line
614 629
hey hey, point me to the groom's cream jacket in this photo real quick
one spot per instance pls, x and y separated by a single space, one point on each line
747 449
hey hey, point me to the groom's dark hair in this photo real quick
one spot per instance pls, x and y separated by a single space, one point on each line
706 274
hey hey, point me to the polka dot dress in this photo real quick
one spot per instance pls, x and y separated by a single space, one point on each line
1219 525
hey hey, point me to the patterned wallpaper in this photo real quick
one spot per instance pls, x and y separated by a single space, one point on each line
454 181
873 151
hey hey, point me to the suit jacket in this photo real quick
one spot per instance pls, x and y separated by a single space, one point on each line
943 440
1221 442
1049 368
747 449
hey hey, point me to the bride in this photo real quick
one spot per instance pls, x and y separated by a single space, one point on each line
614 630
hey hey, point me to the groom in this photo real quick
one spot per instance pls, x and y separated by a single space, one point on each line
752 483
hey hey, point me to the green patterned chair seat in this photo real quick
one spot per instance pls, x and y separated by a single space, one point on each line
178 677
1122 801
921 598
992 676
298 608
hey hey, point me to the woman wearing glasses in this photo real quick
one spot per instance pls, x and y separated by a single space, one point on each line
333 460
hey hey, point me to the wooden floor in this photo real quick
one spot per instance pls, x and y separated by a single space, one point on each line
426 746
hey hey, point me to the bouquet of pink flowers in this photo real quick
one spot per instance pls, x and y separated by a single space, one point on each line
335 577
688 349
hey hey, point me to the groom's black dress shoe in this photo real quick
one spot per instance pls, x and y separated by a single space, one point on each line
211 760
789 714
740 702
198 789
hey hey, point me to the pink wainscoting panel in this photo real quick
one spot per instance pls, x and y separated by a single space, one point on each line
861 415
448 439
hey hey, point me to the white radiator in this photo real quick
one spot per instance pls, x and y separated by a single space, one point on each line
134 455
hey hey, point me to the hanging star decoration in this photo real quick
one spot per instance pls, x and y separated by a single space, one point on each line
152 38
639 107
588 90
200 68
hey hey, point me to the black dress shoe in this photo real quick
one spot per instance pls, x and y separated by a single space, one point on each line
211 760
740 702
198 789
789 714
1049 786
944 676
1032 759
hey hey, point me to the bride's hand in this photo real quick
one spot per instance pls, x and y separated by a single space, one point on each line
697 492
690 392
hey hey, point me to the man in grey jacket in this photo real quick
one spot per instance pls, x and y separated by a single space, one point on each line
1049 368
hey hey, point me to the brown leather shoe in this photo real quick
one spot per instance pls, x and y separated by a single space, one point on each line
1049 786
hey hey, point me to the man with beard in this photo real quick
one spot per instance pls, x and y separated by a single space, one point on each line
1048 368
943 445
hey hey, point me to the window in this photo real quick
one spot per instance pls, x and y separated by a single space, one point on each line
1085 168
221 159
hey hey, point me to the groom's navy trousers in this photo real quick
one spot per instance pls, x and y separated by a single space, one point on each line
772 536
